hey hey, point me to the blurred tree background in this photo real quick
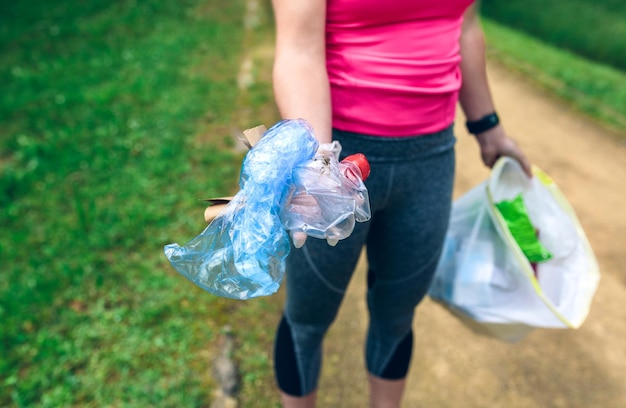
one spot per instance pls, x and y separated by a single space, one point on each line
573 49
593 29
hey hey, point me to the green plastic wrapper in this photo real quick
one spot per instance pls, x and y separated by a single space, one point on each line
517 220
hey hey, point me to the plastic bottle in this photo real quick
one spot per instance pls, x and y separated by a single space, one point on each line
347 166
329 197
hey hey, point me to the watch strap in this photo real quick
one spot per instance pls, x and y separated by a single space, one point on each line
483 124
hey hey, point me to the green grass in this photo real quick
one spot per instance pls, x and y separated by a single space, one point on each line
594 89
102 110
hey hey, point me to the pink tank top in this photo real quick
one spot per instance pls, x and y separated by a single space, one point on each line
393 65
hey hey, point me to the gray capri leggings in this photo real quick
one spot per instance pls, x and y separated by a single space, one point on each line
410 190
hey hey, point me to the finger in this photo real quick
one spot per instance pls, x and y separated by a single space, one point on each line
490 159
211 212
523 161
332 241
298 238
526 166
303 200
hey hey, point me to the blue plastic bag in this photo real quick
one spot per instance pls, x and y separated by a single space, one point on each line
241 254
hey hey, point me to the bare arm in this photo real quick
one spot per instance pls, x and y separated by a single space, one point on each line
301 86
475 96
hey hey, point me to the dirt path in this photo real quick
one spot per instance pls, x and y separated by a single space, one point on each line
453 367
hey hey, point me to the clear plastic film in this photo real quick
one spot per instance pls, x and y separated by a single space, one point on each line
241 254
328 197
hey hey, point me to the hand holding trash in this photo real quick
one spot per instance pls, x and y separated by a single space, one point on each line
328 196
241 253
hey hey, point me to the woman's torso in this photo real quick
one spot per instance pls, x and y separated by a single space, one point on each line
394 65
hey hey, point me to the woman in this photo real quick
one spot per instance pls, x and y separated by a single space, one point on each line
382 78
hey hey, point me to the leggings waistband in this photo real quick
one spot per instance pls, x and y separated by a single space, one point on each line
392 149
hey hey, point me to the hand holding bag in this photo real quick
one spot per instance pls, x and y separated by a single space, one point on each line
515 257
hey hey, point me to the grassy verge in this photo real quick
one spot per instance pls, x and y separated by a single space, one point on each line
594 89
114 121
593 29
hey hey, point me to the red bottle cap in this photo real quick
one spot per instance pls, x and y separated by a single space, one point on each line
361 162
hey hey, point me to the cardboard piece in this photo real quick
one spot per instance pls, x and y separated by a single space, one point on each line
216 205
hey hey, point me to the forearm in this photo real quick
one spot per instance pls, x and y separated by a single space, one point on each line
301 87
301 90
475 96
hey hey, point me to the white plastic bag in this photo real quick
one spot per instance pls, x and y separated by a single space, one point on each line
485 278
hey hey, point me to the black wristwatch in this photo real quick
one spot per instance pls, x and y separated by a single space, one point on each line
483 124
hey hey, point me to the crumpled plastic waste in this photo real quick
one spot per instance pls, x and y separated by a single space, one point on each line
241 254
287 183
329 197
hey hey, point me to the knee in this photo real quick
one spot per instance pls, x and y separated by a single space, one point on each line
306 333
392 311
297 358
